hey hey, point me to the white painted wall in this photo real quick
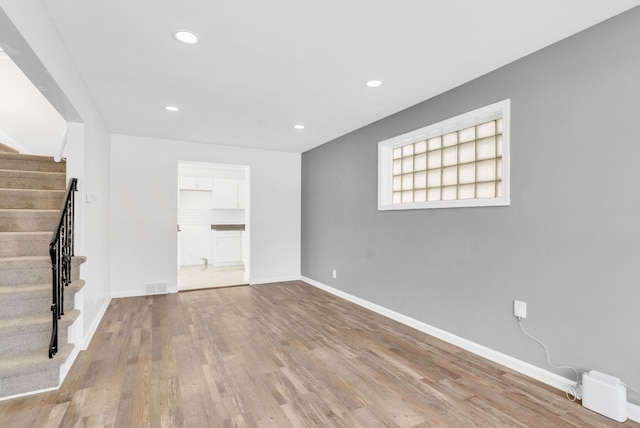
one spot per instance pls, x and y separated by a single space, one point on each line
208 170
28 122
144 216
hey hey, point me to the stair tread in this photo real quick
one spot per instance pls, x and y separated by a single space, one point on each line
36 258
41 158
30 233
15 271
23 258
7 149
44 210
6 291
26 179
29 172
17 292
58 191
26 362
32 323
21 262
20 162
24 158
28 220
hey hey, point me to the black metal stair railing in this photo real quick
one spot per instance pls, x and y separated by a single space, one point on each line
61 251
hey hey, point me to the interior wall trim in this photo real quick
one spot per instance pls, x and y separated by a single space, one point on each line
26 394
131 293
258 281
94 326
549 378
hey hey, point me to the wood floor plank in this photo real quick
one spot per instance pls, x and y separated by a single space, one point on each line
282 355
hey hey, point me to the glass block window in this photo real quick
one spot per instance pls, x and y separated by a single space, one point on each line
462 161
463 164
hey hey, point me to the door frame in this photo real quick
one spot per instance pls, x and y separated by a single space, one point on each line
212 167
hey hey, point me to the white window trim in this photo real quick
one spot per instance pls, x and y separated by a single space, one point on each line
465 120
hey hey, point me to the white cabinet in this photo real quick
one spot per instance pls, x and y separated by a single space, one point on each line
227 248
187 183
196 183
194 245
225 193
241 204
228 193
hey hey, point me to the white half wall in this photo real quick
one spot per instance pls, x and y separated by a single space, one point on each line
28 122
144 213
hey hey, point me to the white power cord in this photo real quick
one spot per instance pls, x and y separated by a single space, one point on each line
572 390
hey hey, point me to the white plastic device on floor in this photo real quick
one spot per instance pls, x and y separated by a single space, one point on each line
604 394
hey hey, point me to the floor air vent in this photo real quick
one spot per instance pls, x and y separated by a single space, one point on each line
155 288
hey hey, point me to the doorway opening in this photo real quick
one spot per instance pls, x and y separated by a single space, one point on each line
213 234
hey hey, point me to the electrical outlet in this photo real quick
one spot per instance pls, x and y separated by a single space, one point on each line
335 274
519 309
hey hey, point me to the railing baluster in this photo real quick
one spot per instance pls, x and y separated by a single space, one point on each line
61 250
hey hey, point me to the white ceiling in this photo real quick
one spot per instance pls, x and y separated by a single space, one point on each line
264 66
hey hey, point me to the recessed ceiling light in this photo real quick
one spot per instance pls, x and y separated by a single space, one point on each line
373 83
171 108
298 126
186 37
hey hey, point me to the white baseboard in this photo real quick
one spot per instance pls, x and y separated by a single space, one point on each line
94 325
633 412
252 281
542 375
128 293
257 281
66 366
26 394
140 293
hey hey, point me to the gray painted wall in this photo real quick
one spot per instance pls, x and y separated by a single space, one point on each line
569 244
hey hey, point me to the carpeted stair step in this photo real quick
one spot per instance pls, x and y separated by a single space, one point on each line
31 371
32 270
26 334
32 189
24 244
25 220
31 163
6 149
16 179
29 299
24 270
31 199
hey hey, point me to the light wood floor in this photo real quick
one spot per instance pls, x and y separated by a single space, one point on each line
282 355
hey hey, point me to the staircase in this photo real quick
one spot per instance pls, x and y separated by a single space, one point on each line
32 189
